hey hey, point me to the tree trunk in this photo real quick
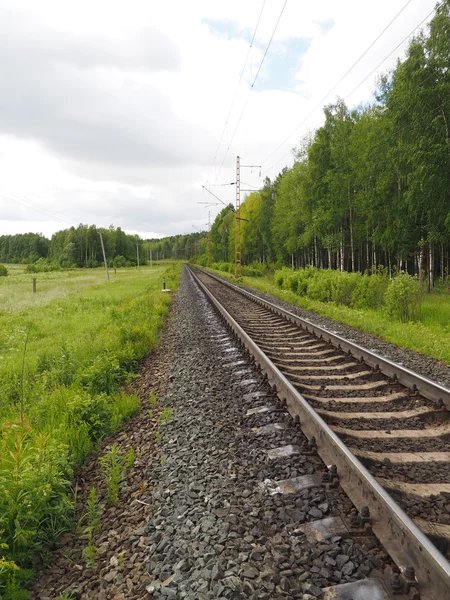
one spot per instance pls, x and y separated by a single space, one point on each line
341 253
420 261
430 266
352 249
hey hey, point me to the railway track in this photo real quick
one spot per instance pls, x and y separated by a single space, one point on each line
385 429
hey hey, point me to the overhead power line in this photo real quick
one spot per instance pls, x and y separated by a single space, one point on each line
367 76
251 88
236 91
28 203
335 86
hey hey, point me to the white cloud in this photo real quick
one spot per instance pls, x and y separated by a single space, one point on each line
111 112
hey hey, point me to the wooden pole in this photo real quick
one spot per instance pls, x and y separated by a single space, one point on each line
104 256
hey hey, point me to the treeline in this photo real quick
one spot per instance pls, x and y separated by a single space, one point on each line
182 247
23 247
371 186
81 247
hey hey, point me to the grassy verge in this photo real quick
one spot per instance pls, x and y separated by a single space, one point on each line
429 334
66 352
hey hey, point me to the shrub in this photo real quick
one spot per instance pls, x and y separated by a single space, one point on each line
226 267
3 271
319 287
254 269
279 278
34 478
42 266
343 286
349 289
103 375
403 297
119 261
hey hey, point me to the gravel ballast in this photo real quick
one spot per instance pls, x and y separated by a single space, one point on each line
420 363
215 533
208 526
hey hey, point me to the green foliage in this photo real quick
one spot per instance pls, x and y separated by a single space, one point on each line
34 478
403 298
119 261
91 515
348 289
90 519
71 398
226 267
166 416
3 271
114 466
152 399
103 375
42 266
254 269
369 186
90 554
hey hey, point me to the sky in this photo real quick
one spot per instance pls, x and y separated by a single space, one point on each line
118 113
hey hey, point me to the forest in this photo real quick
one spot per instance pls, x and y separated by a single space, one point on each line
370 188
80 246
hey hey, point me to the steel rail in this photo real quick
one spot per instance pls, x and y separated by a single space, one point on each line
424 386
402 539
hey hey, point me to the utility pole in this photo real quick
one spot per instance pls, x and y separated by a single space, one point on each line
104 256
209 238
137 254
237 235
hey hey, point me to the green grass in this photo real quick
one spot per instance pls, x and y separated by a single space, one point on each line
429 334
64 354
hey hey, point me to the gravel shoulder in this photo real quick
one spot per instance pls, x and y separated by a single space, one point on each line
195 519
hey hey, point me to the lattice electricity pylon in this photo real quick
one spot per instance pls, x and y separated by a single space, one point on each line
237 237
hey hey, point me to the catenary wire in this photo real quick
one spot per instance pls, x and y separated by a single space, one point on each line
28 203
235 92
348 95
251 88
336 85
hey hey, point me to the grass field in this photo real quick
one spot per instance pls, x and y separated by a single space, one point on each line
64 353
429 334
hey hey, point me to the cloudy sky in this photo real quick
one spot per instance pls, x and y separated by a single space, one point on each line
111 112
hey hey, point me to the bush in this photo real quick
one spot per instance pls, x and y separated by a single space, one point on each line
349 289
254 269
343 286
34 479
319 286
402 297
42 266
226 267
119 261
3 271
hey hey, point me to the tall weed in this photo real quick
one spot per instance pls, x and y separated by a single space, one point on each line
70 398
